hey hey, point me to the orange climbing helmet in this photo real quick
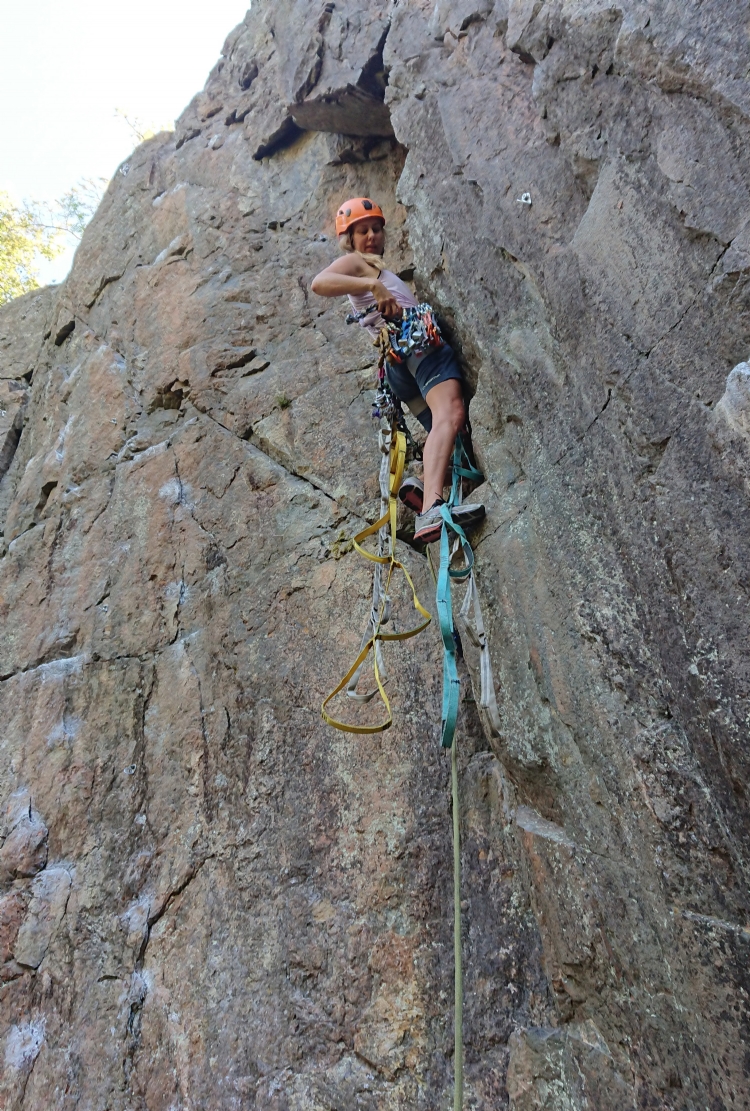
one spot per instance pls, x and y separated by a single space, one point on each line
357 208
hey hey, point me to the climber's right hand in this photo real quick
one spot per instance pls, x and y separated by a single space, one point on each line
388 306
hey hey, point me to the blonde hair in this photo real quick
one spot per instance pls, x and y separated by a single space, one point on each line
346 245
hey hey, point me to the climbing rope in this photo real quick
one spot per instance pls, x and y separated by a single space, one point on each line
458 978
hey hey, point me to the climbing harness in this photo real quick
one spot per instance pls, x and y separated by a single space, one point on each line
416 332
413 334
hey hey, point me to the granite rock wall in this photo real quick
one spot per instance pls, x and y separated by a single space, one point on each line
208 899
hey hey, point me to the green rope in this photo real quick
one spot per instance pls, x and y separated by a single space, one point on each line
462 467
458 1022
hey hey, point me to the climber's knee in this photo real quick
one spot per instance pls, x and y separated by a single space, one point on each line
447 404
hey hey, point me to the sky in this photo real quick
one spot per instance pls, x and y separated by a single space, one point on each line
67 65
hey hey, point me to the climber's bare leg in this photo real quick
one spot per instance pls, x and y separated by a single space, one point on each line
446 403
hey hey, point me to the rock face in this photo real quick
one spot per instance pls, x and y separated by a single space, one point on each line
208 899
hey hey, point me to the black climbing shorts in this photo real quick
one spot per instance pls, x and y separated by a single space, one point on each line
435 367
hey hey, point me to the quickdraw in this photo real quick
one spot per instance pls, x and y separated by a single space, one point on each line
415 332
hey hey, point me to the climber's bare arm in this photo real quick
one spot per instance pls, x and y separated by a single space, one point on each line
351 274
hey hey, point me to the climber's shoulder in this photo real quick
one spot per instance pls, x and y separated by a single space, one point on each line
351 264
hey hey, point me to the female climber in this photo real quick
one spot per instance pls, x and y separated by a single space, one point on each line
429 382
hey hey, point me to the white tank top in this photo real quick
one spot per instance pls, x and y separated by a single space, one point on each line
374 322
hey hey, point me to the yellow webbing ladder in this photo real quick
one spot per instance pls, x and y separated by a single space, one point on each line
394 444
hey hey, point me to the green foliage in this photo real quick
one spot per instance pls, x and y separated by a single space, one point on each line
283 401
23 237
76 207
31 231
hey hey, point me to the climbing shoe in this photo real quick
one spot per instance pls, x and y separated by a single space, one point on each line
411 493
428 525
468 516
